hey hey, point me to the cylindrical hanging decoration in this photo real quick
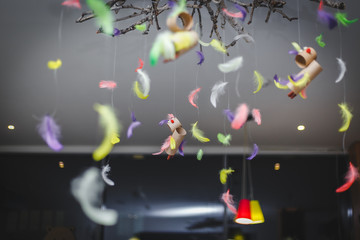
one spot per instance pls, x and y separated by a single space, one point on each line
256 212
243 215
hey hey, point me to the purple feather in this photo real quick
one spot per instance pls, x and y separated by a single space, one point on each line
116 32
50 132
242 10
254 153
201 56
181 148
293 52
282 82
171 4
162 122
327 19
229 115
131 127
296 78
133 117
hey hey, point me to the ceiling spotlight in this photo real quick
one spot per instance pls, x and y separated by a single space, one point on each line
301 127
11 127
61 164
277 166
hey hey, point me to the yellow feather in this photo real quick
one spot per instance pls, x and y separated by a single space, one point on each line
172 143
259 79
346 116
278 85
198 134
296 46
302 82
224 174
53 65
217 45
111 127
138 92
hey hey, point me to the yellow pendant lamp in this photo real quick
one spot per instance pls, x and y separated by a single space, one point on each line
256 212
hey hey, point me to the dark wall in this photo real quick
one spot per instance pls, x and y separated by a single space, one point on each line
298 201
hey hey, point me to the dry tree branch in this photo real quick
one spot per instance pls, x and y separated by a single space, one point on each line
153 10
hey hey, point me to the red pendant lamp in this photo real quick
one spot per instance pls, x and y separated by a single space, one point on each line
243 215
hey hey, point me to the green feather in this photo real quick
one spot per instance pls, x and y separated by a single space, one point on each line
199 154
224 139
103 15
319 41
341 17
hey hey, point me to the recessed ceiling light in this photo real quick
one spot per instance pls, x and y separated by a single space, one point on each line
61 164
277 166
11 127
301 127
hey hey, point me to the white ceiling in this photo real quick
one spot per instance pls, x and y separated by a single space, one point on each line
30 38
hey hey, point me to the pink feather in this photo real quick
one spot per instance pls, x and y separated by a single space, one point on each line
240 117
350 177
228 200
193 96
107 84
72 3
256 115
234 15
165 145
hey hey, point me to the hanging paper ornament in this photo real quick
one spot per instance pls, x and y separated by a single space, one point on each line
311 68
173 142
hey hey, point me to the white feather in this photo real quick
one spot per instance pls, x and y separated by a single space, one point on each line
246 36
217 90
342 70
145 82
87 189
104 174
231 66
168 49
